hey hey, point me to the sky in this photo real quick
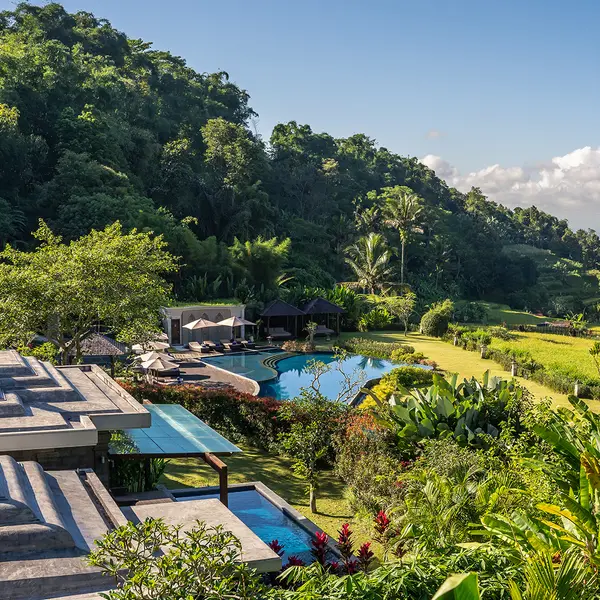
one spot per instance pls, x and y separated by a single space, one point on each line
501 94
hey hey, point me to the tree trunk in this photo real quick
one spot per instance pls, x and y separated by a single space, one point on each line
312 499
402 264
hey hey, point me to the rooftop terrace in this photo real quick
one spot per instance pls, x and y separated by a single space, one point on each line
43 406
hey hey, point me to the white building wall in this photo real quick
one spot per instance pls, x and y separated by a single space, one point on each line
187 314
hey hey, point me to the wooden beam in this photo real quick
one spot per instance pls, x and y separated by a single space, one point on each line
221 468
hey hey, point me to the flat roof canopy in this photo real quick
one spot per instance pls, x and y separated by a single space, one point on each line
175 432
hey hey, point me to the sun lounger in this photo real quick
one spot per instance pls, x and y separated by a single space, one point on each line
279 333
323 330
234 346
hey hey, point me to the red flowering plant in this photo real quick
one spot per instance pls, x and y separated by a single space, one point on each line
384 532
365 556
276 547
319 547
294 561
345 547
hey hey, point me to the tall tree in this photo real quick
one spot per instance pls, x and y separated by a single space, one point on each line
65 290
369 258
402 210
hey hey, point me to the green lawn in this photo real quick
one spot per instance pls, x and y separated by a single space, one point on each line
276 473
456 360
502 313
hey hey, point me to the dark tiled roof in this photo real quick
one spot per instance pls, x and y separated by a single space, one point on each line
279 308
101 345
320 306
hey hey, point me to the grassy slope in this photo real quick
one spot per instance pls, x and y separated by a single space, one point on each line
276 473
501 313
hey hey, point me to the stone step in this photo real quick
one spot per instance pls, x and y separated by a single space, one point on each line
18 506
11 404
30 518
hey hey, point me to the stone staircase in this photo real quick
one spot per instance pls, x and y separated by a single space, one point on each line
30 518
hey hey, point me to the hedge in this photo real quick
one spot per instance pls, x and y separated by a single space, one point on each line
237 416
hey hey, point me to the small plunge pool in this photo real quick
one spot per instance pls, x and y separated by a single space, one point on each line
265 519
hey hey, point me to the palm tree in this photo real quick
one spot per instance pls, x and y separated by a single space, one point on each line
401 211
369 258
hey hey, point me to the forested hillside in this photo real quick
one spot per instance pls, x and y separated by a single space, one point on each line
95 127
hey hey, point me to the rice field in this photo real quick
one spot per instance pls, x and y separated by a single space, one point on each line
555 351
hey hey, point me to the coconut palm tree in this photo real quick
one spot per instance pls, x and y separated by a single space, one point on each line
369 258
401 210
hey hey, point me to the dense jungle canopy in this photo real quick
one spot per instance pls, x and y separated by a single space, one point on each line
97 127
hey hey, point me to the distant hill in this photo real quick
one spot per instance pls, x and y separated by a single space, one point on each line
96 126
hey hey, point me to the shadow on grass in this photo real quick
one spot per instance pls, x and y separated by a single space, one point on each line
255 465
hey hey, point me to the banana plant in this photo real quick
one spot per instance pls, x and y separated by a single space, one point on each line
467 412
459 587
572 522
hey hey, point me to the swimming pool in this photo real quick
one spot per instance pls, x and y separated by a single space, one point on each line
294 374
266 520
248 364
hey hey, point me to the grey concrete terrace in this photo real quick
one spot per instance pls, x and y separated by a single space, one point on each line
43 406
50 520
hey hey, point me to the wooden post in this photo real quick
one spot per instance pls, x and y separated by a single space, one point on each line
221 468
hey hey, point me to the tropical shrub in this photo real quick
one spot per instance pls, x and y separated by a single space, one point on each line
202 562
470 412
501 333
297 346
437 511
571 522
402 379
239 417
377 318
411 358
46 351
411 579
473 340
375 349
470 312
435 321
367 460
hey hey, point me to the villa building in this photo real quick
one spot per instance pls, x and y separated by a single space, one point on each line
61 417
175 317
55 425
49 521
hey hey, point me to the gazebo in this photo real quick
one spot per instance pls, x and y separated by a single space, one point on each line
319 307
282 312
102 349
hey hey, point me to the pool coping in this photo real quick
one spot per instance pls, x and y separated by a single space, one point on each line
275 499
253 382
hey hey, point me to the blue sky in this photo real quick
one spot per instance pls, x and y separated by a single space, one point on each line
477 82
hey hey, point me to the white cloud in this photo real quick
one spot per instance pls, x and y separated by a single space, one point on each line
567 186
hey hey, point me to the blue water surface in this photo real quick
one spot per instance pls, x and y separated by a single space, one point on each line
267 522
248 364
293 374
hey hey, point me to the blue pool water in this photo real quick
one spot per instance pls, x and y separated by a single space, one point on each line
248 364
293 374
266 521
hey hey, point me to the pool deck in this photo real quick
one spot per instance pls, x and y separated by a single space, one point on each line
209 377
